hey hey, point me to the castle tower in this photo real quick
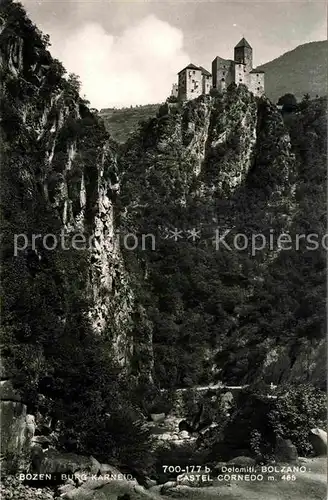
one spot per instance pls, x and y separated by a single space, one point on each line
206 80
190 82
244 54
223 73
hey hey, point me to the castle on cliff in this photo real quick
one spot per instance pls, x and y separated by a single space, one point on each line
194 81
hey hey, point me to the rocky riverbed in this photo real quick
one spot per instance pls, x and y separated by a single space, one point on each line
308 484
12 488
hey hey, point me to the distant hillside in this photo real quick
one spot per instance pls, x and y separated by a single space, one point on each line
298 71
121 122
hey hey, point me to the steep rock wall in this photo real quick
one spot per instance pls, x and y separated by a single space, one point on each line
227 163
63 275
67 165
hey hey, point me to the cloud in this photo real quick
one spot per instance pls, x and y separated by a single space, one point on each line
136 67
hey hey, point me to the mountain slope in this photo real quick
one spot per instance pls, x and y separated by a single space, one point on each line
67 303
226 161
299 71
122 122
230 164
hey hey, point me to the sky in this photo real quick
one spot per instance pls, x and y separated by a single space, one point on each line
129 52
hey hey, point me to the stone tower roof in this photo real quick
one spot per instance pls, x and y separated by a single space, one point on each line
243 43
190 66
204 71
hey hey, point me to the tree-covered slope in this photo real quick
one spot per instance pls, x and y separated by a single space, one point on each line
58 175
67 302
122 122
230 164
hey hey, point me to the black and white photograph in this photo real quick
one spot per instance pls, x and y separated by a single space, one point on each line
164 240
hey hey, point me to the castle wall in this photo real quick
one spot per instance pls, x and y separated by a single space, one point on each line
206 84
175 90
190 84
223 73
256 83
241 76
182 85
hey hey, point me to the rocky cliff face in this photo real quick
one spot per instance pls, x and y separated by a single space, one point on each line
228 167
63 271
58 158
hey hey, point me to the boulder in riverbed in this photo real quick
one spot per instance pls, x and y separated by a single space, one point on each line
318 439
242 461
166 486
109 469
110 490
65 488
95 465
149 483
56 462
285 451
157 417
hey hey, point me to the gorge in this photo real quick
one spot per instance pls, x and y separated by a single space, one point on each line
98 339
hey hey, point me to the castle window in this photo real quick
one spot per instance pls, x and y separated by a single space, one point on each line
259 83
194 72
258 88
257 75
223 73
240 79
223 79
